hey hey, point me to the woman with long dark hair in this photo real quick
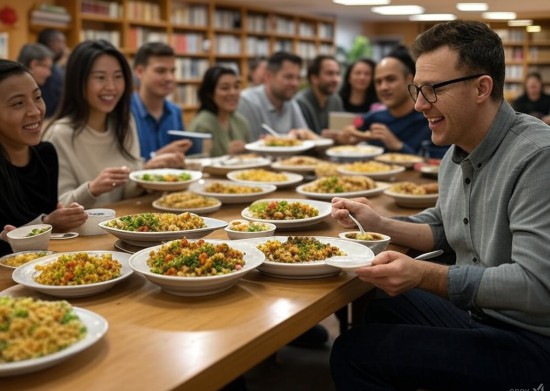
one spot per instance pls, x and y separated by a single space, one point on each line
219 96
28 167
93 131
357 92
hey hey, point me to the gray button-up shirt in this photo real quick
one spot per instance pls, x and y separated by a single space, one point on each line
494 213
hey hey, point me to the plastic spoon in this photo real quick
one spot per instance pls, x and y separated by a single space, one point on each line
357 223
271 130
431 254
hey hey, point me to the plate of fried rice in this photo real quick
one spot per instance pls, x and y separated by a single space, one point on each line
326 188
74 274
229 192
304 257
55 332
196 267
165 179
287 213
148 229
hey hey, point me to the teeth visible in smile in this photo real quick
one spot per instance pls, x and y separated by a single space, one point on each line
434 120
108 98
32 126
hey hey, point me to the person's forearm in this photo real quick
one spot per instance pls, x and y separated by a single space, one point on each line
434 279
412 235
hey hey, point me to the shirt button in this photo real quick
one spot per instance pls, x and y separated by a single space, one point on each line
474 260
467 181
465 220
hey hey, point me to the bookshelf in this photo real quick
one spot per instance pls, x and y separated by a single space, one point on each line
201 32
524 52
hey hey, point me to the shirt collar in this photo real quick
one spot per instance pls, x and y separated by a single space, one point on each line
142 110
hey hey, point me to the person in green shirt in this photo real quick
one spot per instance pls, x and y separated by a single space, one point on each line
219 96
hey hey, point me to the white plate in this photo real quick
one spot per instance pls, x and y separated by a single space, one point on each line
348 264
380 187
302 168
201 210
260 147
430 170
323 142
146 239
225 164
354 152
165 186
324 209
378 175
5 257
96 327
237 198
413 201
292 179
402 159
198 286
24 275
307 270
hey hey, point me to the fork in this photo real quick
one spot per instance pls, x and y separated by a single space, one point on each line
356 223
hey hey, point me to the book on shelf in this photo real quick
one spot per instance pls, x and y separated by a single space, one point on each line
50 14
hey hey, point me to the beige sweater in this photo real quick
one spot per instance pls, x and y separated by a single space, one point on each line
81 160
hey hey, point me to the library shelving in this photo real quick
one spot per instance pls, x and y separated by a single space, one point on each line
202 33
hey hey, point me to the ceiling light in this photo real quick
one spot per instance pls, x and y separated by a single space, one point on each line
431 17
499 15
533 29
361 2
398 10
520 22
472 6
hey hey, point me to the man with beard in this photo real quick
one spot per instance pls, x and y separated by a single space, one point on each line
154 66
398 128
320 98
272 103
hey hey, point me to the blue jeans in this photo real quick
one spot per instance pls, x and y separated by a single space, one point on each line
419 340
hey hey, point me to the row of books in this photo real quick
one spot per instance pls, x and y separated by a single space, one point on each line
104 8
190 68
137 36
192 43
227 44
191 15
111 36
142 10
50 15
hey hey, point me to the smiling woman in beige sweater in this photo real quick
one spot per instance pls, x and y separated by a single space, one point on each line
93 131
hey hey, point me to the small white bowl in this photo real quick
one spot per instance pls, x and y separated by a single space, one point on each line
235 235
377 246
20 240
95 216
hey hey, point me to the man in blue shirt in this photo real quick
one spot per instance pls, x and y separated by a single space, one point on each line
154 66
398 128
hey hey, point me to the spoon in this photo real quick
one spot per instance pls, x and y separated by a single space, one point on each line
356 223
64 235
271 130
431 254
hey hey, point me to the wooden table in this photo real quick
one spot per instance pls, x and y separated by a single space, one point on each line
158 341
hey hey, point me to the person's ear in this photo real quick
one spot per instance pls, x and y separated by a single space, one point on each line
138 70
485 86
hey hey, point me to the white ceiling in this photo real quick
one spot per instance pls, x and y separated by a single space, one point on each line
524 8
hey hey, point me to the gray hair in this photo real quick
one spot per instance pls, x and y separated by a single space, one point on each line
33 51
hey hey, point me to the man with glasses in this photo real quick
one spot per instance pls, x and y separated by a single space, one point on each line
398 128
482 322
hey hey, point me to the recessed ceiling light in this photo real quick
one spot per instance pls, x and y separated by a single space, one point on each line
398 10
520 22
472 6
499 15
361 2
431 17
533 29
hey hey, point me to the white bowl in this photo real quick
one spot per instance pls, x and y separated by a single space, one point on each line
235 235
197 286
377 246
20 241
95 216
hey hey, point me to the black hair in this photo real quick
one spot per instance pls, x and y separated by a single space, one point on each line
276 60
73 100
316 65
47 36
208 86
152 49
479 49
401 53
370 93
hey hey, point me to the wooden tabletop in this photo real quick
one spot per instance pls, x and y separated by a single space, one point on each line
160 341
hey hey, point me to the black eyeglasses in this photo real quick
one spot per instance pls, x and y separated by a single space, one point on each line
428 90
